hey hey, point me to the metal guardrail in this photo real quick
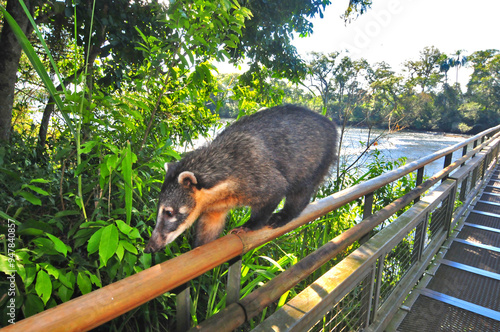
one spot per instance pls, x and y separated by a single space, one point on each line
366 289
100 306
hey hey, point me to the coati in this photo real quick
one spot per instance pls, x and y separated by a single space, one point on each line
284 151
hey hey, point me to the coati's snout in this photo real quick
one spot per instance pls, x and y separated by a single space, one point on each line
174 208
170 223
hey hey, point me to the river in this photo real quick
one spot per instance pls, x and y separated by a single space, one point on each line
394 145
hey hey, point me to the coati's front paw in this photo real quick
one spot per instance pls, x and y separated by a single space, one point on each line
239 230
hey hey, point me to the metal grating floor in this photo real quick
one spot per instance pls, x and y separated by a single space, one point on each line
464 293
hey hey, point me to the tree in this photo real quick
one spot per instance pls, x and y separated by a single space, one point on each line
425 72
9 62
483 89
458 61
322 69
266 38
447 103
386 91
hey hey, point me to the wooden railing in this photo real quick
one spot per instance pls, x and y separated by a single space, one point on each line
100 306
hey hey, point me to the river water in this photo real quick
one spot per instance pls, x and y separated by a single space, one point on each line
412 145
394 145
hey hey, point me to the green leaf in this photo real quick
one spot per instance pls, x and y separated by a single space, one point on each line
65 281
172 153
83 283
30 276
5 266
51 270
32 305
30 198
44 246
123 227
7 217
108 243
30 231
40 181
131 232
58 245
65 293
282 299
43 286
120 251
129 247
94 279
94 241
134 234
87 146
35 189
112 161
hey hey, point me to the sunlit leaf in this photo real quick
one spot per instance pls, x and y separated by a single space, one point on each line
58 245
30 197
43 286
83 283
108 243
94 241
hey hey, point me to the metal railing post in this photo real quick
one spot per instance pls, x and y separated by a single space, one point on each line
447 162
378 284
420 179
367 211
233 281
367 297
451 205
419 242
183 308
474 145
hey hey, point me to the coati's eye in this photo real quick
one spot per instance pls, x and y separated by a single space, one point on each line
169 212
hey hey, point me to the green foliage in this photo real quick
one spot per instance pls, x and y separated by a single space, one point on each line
83 210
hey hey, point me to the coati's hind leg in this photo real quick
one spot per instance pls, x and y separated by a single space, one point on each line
294 204
209 227
259 217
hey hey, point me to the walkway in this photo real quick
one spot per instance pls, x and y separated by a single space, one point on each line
461 291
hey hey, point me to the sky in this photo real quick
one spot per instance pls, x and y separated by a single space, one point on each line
397 30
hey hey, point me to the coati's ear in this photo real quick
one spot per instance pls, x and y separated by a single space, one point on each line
187 179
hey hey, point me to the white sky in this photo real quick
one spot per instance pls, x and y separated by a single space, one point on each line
397 30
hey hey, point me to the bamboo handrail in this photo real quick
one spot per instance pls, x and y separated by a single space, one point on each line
95 308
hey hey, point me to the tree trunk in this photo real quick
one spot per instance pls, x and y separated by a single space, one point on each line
9 62
44 126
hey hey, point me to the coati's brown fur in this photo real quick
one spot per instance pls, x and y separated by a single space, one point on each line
284 151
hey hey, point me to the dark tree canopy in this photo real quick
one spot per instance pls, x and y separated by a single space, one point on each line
266 40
